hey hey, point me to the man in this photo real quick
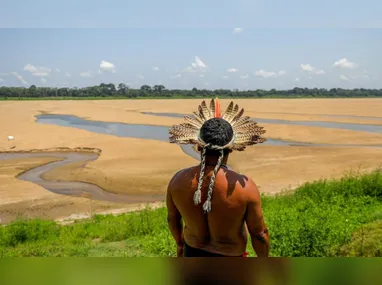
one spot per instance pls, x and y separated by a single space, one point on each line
218 228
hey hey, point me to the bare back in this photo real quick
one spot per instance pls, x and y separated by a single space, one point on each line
223 230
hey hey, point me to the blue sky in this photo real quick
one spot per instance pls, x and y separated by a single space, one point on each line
203 44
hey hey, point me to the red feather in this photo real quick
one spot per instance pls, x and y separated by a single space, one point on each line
217 109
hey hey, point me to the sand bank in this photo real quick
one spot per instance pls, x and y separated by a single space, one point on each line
134 166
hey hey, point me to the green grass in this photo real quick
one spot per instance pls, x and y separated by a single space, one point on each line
322 218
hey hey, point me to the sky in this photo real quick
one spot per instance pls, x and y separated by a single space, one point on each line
207 44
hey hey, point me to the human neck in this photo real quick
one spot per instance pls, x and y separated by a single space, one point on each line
213 160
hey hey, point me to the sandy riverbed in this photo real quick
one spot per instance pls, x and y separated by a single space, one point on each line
142 166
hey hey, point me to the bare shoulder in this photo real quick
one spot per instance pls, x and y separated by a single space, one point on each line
248 185
252 190
178 176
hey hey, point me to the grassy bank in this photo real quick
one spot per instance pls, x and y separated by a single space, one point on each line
323 218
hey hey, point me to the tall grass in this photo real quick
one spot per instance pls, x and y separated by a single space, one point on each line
322 218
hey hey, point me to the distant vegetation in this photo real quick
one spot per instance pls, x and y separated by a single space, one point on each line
326 218
103 91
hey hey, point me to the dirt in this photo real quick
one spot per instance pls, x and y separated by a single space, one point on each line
136 166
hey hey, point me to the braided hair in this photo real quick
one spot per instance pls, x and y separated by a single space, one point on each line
217 134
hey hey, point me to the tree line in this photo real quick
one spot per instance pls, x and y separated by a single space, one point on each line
160 91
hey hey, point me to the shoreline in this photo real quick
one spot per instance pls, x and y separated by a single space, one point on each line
48 199
141 166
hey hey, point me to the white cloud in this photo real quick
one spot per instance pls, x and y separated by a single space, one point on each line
344 77
265 74
176 76
319 71
38 70
140 76
197 66
85 74
106 66
206 83
43 80
156 68
19 77
306 67
225 76
244 76
201 75
269 74
297 79
344 63
237 30
311 69
1 80
57 70
67 74
232 70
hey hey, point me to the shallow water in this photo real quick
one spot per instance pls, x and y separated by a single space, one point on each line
331 125
159 133
135 131
329 115
73 188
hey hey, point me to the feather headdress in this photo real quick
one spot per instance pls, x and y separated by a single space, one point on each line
245 132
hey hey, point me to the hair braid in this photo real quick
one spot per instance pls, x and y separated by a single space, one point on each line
207 204
198 192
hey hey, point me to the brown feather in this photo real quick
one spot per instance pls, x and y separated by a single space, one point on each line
251 127
247 132
235 110
193 121
237 117
205 110
247 139
228 111
183 141
183 136
180 139
212 107
197 117
241 121
180 130
242 146
188 125
238 147
232 114
243 138
180 135
201 114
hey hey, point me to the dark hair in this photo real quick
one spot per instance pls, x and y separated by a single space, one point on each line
216 131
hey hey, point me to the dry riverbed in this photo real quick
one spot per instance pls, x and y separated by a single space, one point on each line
136 166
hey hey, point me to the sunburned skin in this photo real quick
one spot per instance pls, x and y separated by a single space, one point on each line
236 212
